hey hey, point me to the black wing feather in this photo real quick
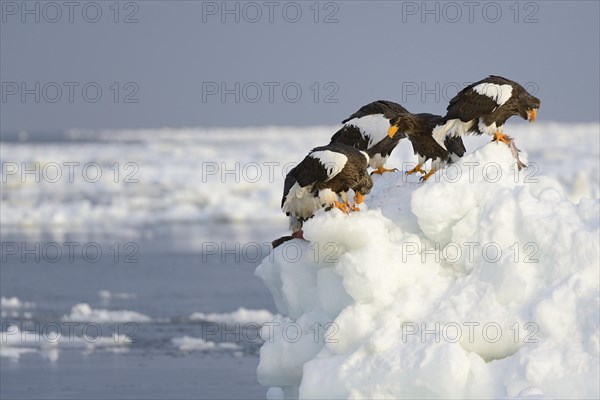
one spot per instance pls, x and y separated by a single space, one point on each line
455 145
350 136
385 107
468 104
427 147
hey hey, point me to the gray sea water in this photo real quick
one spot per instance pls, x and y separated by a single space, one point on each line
165 271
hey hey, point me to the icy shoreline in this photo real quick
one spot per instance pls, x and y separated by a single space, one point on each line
481 285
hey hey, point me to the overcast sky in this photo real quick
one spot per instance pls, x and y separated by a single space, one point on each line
148 64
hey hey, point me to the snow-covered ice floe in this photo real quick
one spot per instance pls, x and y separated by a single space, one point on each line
187 343
131 178
14 303
82 312
107 295
479 283
240 316
13 307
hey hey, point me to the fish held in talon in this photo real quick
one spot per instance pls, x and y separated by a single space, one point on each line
369 130
326 174
515 153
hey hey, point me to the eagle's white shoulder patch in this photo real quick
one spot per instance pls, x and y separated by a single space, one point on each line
366 155
374 127
499 93
454 127
332 161
439 134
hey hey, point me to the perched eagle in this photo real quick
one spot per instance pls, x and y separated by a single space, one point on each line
484 107
325 173
420 128
367 129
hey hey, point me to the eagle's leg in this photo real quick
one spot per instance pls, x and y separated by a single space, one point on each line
349 205
501 137
341 206
358 198
381 170
427 175
298 234
415 169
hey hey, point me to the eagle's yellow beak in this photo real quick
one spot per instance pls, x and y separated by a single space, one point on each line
531 114
392 131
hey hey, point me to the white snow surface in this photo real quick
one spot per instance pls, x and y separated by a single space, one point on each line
198 175
478 284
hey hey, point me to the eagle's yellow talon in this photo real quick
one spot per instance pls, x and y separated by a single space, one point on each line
381 170
415 170
341 206
354 207
501 137
427 175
